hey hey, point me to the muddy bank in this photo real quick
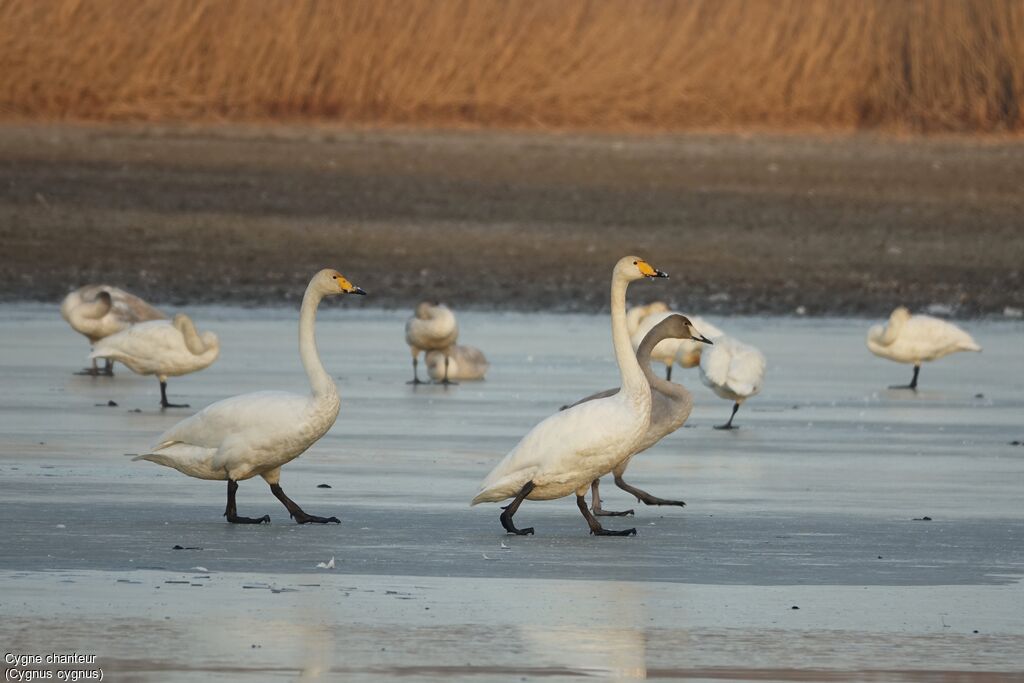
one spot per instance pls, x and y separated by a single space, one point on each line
513 221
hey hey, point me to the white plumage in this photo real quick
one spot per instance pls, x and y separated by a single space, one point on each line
570 449
917 339
464 363
98 311
162 348
733 370
432 327
255 434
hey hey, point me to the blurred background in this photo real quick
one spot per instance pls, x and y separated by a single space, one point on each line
828 155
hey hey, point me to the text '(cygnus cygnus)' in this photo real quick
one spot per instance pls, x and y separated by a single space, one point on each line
162 348
917 339
432 327
256 434
98 311
569 450
670 406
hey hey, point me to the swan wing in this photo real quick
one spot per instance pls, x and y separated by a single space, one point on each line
601 394
734 366
564 449
926 336
262 413
151 339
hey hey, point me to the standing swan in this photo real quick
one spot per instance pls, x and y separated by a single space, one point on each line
255 434
161 348
670 351
98 311
431 328
917 339
734 371
670 406
570 449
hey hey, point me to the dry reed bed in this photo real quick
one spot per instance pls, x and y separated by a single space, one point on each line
616 64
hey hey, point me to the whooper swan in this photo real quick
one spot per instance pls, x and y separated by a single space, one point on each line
255 434
162 348
98 311
670 406
570 449
917 339
733 370
463 363
432 327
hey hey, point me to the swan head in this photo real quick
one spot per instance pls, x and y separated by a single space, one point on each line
425 308
635 268
680 327
330 282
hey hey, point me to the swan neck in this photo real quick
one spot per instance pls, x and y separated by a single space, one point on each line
320 382
633 381
192 340
94 310
892 330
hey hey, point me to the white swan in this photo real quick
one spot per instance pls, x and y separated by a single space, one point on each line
431 328
255 434
670 406
917 339
636 314
670 351
733 370
98 311
572 448
464 363
162 348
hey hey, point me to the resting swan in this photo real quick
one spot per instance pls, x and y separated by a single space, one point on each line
255 434
98 311
162 348
464 363
432 327
917 339
733 370
570 449
686 352
670 406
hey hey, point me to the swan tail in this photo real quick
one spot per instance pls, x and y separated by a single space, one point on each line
195 461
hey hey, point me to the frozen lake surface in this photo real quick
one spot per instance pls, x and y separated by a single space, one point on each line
817 502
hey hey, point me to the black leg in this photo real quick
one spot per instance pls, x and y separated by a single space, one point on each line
510 509
415 370
644 497
728 425
92 372
668 373
163 398
296 512
595 503
232 513
913 382
595 526
446 381
108 368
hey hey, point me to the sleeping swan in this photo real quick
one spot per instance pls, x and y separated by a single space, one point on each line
917 339
733 370
463 363
98 311
431 327
256 434
570 449
162 348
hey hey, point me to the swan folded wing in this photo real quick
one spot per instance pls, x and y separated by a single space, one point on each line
746 370
593 397
568 446
258 415
928 336
195 461
145 340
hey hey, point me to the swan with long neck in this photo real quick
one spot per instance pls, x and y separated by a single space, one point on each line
567 451
917 339
256 434
671 404
162 348
671 350
98 311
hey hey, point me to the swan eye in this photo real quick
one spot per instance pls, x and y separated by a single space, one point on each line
634 263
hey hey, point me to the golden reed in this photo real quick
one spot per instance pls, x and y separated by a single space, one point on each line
916 65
